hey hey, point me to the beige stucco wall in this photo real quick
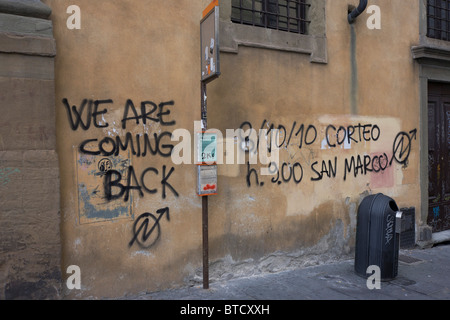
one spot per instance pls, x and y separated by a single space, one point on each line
283 88
149 51
29 169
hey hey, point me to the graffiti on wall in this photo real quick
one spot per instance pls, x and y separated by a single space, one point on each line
147 229
305 136
140 144
106 178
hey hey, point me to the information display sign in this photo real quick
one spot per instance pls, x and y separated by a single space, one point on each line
206 148
207 180
209 38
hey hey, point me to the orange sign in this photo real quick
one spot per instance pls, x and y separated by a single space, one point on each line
213 4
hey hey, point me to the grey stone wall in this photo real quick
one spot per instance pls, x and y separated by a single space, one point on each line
30 245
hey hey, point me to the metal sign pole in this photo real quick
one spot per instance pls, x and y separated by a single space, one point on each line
205 199
205 242
210 70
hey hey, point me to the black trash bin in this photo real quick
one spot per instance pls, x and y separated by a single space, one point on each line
377 238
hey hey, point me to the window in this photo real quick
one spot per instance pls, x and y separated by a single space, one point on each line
288 25
286 15
438 19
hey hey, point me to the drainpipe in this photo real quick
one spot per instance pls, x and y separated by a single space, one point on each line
357 11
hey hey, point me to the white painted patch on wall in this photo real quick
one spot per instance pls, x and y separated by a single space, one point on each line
143 253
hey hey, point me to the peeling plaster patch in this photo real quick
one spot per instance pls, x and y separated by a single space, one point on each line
92 213
143 253
92 207
324 144
331 248
347 144
76 244
113 132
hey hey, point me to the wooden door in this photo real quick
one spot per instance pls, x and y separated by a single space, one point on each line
439 156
